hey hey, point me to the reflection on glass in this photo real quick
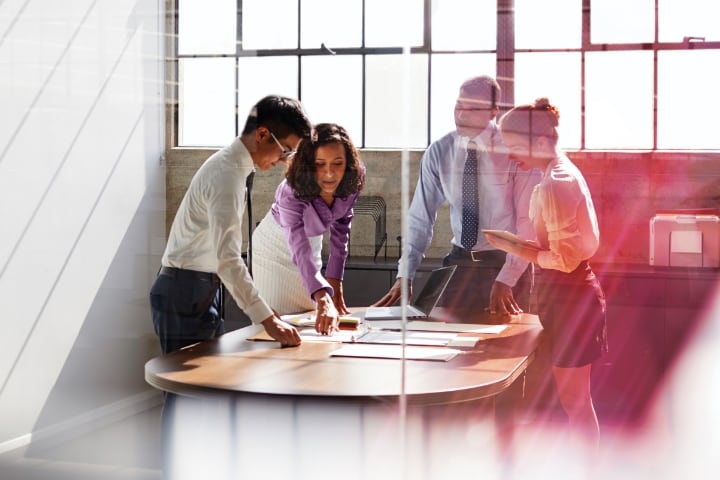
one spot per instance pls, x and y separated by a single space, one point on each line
464 25
332 91
555 76
382 28
621 21
194 36
327 22
556 24
387 115
619 100
207 101
688 99
678 19
269 24
449 71
260 76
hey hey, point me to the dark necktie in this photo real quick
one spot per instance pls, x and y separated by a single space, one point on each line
468 235
248 202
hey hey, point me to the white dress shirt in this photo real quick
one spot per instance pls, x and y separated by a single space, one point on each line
206 234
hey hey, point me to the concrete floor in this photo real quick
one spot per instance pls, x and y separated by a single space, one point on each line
126 450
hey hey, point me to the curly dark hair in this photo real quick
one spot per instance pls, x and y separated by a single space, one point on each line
300 173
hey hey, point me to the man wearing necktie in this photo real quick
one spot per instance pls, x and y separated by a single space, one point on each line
205 240
469 169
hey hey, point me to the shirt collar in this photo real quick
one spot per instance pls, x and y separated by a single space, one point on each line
484 139
241 155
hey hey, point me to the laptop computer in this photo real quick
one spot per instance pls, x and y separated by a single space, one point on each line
421 305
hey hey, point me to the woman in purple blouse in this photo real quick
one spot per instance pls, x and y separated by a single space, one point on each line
322 184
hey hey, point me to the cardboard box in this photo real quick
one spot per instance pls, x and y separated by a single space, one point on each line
685 239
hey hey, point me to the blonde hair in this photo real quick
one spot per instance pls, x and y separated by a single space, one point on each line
540 119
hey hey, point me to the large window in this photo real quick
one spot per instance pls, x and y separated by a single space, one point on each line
638 74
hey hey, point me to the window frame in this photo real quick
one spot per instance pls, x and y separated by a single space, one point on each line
504 58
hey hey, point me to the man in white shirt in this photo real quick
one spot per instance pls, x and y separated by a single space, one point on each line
205 243
486 278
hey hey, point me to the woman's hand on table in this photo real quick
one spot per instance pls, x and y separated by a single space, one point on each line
338 296
326 321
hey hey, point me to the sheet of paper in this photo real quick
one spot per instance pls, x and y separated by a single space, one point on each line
299 319
427 326
411 338
463 342
367 350
344 336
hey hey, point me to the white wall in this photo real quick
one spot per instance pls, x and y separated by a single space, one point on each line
82 202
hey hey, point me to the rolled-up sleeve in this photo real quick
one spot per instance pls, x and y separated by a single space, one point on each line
339 239
291 217
569 218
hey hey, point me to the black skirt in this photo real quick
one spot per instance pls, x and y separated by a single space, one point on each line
571 308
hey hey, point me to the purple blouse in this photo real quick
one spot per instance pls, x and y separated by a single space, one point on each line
301 219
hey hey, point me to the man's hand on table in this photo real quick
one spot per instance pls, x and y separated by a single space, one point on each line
502 301
394 294
287 335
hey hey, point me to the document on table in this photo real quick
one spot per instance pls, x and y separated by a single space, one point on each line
437 339
299 319
367 350
426 326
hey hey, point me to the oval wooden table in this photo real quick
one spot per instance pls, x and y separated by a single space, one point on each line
248 398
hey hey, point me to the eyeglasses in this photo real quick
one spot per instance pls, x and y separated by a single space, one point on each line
283 153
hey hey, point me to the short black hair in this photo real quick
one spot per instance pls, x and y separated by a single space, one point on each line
281 115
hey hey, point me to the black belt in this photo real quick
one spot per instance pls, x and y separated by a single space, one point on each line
482 256
184 273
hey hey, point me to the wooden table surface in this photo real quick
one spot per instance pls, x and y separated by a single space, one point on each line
234 364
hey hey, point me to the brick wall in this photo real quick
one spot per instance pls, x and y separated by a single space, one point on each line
627 188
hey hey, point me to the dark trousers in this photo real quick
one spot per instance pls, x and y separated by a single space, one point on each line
185 307
472 281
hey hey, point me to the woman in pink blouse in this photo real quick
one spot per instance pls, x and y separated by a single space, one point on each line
571 303
322 184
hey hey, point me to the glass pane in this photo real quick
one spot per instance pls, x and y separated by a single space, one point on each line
194 36
396 101
382 28
332 91
464 25
688 99
448 73
688 18
555 76
619 100
622 21
324 21
268 24
260 76
207 101
556 24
